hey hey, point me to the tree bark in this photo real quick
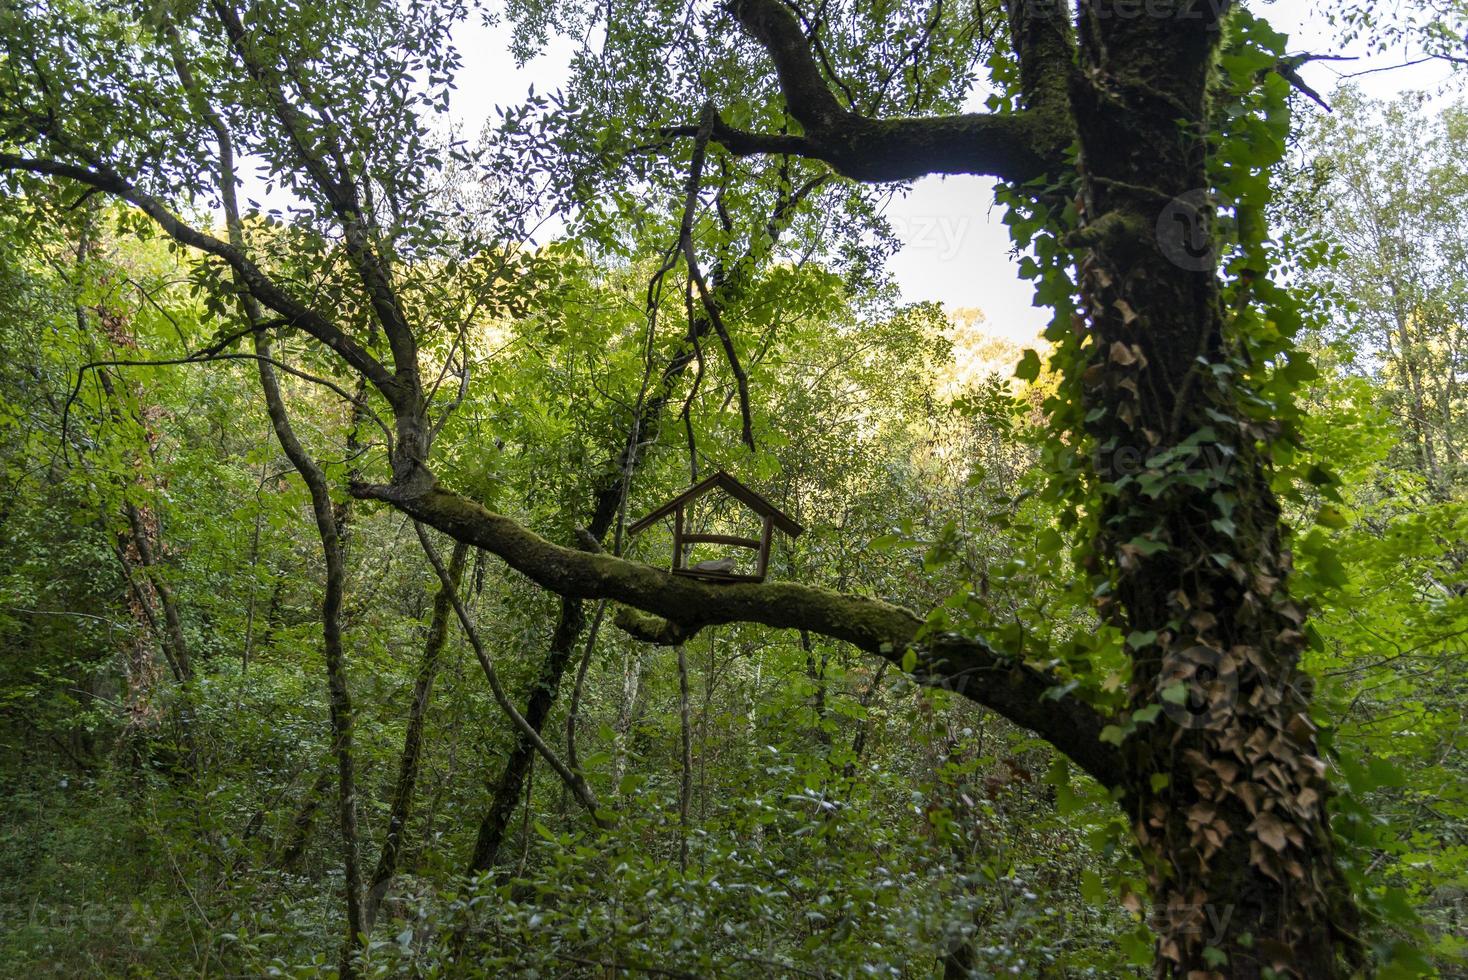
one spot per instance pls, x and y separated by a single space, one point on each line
1235 839
338 692
171 638
496 821
1226 798
304 821
328 521
685 780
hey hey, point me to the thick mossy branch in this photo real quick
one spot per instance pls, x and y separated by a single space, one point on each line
652 629
966 665
1013 146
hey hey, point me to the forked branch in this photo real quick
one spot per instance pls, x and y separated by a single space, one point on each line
1013 146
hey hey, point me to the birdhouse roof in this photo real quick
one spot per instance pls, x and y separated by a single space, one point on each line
723 481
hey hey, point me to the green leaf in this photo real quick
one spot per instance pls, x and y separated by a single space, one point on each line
1138 639
1329 570
1147 546
1093 889
1319 476
1147 715
1029 366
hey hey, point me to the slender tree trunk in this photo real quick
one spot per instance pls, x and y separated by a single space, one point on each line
329 523
1411 382
859 740
607 505
304 821
175 640
402 796
573 714
633 665
338 693
272 614
171 638
815 671
542 698
685 783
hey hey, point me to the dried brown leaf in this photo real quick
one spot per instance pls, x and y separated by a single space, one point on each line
1269 830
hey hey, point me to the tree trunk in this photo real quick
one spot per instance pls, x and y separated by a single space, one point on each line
176 645
537 709
304 821
1235 839
815 671
402 796
609 498
1411 380
685 781
859 740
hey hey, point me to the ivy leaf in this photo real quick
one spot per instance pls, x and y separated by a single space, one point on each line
1147 715
1145 546
1270 831
1175 694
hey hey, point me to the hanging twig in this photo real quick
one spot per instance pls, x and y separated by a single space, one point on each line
693 389
574 712
690 255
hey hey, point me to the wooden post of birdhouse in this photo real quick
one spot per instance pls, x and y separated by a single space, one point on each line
679 557
765 535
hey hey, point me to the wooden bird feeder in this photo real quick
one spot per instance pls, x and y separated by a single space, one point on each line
720 571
